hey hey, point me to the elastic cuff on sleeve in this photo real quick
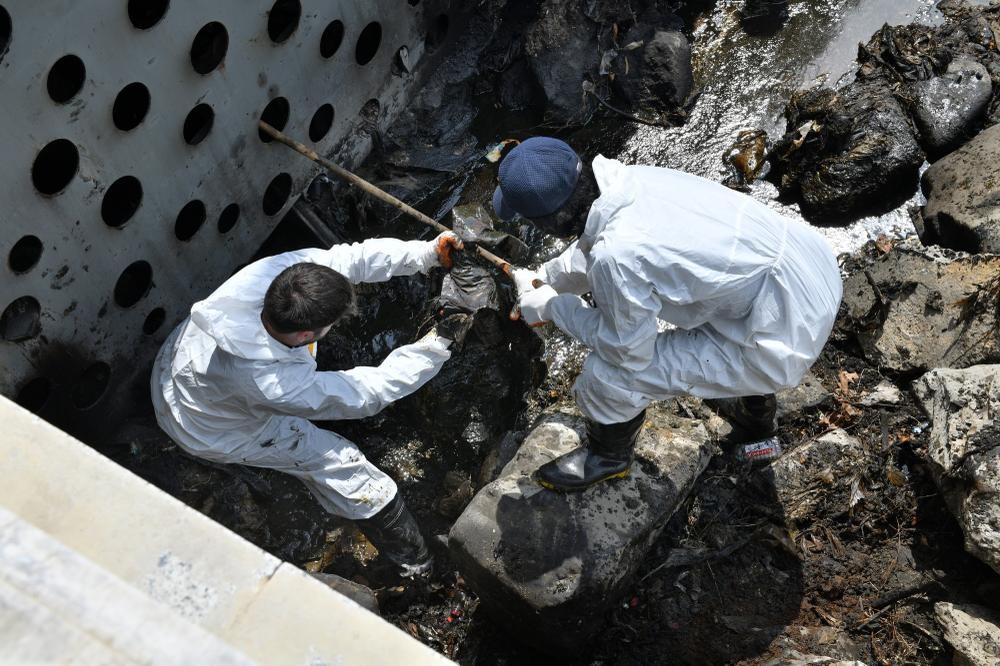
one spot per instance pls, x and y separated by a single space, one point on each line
429 259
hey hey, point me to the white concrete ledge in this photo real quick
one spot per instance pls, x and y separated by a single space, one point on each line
270 610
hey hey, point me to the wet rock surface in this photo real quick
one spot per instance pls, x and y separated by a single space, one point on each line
546 564
915 308
652 70
947 107
963 197
973 631
964 449
560 48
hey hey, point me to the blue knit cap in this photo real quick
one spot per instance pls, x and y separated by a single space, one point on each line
536 178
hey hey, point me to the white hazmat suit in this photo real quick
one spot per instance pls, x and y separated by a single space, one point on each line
226 391
752 293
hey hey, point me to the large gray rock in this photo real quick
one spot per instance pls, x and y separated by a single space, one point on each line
964 450
657 77
947 107
963 197
972 631
546 565
939 309
561 47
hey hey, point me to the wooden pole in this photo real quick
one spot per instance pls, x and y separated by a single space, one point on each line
382 195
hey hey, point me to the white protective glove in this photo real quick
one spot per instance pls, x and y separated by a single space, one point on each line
535 304
525 280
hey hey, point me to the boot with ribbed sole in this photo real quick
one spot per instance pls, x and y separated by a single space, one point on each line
607 454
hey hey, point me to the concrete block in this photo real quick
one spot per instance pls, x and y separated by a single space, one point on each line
58 607
194 568
547 564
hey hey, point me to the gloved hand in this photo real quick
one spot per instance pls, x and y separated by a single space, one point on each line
443 245
455 327
535 305
451 329
526 279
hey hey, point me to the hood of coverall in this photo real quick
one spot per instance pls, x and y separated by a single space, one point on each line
231 316
616 192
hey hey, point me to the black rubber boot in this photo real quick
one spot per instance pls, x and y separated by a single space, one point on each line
753 417
395 533
607 454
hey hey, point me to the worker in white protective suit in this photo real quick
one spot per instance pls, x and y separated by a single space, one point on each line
752 295
236 382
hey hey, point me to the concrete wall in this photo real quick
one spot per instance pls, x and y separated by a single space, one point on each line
122 205
70 519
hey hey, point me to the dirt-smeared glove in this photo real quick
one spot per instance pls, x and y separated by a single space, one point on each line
443 245
535 305
451 328
455 327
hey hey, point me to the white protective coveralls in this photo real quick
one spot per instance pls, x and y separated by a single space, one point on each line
752 293
226 391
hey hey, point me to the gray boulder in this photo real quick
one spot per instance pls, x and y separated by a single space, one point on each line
933 308
972 631
808 394
656 77
947 107
964 450
963 197
546 565
561 47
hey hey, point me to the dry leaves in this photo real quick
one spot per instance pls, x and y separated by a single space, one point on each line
884 244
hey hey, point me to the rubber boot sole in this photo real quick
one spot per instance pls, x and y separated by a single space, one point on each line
624 474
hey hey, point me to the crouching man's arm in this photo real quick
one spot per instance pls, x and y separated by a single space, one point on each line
379 259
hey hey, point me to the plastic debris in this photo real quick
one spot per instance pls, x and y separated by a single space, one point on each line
764 449
495 153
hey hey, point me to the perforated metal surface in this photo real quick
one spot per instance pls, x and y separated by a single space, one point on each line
112 233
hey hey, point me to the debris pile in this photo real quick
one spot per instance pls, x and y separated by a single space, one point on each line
919 92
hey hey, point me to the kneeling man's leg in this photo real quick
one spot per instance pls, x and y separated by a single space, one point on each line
346 484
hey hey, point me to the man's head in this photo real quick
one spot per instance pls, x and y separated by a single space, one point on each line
304 301
539 179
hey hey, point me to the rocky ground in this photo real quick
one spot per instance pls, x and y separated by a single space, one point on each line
875 538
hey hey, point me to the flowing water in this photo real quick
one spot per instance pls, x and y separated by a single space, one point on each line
746 81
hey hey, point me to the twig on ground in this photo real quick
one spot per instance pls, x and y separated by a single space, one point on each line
687 557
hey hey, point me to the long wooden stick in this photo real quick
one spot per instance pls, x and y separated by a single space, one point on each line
365 186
